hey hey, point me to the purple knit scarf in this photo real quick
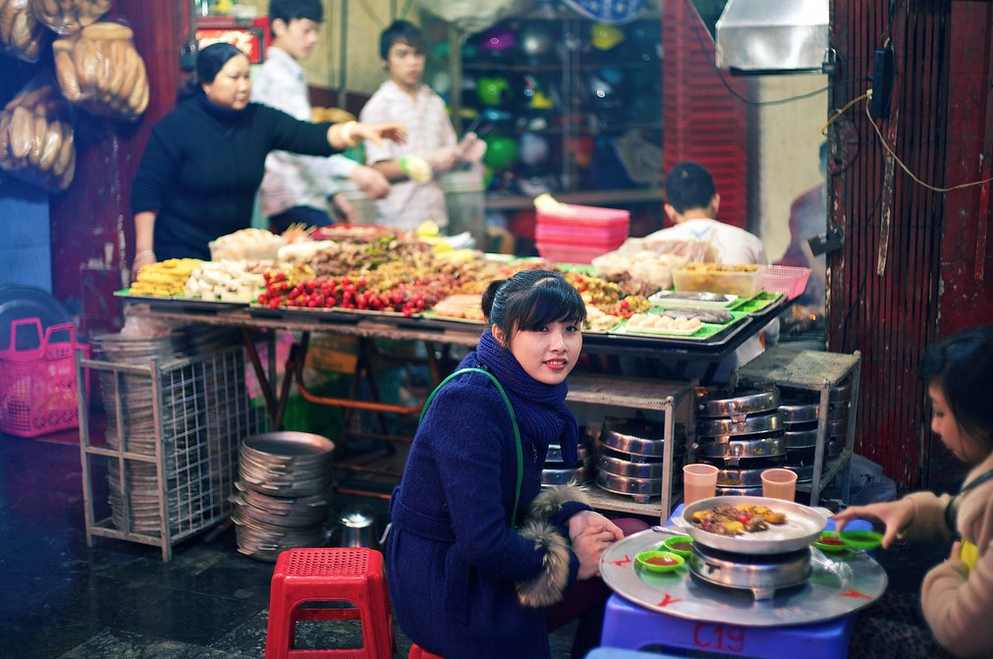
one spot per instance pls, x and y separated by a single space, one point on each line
541 411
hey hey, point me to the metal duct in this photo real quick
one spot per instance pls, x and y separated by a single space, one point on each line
772 36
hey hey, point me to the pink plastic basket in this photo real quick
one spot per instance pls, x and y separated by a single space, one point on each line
788 280
38 386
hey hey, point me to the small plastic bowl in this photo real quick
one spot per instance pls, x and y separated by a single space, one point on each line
830 542
862 540
659 561
679 545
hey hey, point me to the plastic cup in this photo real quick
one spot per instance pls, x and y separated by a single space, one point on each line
699 482
779 484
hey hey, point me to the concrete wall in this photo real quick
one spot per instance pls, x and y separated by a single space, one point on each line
787 143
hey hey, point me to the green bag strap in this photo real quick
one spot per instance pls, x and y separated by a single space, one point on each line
513 420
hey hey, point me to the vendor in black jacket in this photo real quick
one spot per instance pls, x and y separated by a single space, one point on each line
204 160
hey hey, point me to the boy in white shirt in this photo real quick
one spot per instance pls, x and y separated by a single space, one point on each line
298 188
431 146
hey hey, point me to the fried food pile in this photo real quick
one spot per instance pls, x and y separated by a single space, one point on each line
737 520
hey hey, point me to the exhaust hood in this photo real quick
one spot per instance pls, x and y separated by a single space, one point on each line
772 36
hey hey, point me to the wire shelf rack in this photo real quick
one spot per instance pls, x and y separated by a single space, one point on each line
170 452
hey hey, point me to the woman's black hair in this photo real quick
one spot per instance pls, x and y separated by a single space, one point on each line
210 61
962 365
532 299
400 32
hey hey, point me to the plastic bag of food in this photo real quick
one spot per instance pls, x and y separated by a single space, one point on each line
36 136
69 16
21 35
100 71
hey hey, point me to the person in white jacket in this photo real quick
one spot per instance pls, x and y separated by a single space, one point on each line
301 189
692 205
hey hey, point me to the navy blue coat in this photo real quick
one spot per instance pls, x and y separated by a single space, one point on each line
452 558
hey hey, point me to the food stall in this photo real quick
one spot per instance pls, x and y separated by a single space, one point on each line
369 283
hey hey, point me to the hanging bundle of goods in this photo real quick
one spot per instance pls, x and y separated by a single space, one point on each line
100 71
21 35
69 16
36 138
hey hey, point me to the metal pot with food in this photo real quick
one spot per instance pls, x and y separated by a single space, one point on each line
752 525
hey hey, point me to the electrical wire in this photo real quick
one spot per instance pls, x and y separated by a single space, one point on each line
896 158
837 115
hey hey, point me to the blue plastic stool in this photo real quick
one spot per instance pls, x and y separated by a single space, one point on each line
632 627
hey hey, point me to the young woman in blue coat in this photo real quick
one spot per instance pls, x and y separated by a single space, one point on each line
472 575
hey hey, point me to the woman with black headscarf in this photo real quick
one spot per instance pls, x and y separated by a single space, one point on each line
205 160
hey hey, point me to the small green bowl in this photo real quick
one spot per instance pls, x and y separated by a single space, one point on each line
654 560
679 545
862 540
829 542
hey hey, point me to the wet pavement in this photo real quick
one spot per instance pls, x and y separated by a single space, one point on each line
60 599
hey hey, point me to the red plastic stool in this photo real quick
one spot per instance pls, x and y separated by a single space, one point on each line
352 574
417 653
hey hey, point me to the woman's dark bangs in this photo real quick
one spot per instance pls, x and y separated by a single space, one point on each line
551 303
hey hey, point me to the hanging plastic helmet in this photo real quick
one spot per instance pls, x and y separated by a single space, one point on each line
535 40
605 37
533 149
501 152
498 38
612 12
492 91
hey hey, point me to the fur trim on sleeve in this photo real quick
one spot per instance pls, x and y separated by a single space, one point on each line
549 500
547 588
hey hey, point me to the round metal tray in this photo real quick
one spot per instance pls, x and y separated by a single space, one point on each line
717 402
563 476
748 425
834 589
555 453
629 438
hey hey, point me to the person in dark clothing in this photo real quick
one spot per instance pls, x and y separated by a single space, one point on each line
481 561
205 160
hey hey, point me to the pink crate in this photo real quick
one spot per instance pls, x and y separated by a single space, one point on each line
788 280
559 253
38 386
585 216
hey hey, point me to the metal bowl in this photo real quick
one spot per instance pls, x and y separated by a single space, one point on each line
716 402
802 526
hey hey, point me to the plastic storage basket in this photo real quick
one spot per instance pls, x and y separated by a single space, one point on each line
38 386
791 281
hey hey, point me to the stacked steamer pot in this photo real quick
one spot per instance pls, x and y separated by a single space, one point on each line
741 433
630 457
799 409
558 472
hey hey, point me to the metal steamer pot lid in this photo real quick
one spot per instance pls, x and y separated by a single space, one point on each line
720 402
747 425
757 448
802 526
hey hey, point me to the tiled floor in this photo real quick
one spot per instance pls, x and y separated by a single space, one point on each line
60 599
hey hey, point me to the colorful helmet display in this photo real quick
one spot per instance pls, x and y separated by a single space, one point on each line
501 152
492 91
605 37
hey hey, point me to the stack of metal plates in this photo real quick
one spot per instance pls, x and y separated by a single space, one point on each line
284 492
630 457
740 432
